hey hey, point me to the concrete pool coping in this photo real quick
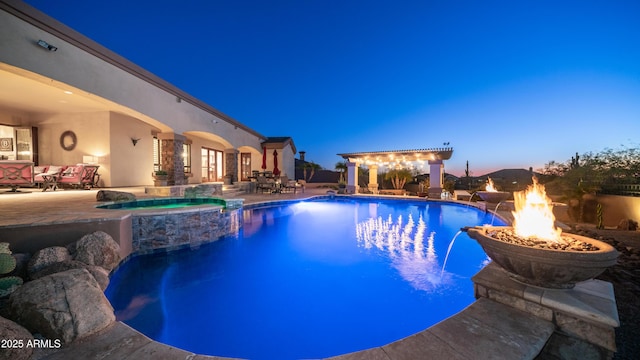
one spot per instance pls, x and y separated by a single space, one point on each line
487 326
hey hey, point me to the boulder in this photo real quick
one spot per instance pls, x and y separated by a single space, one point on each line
22 262
110 195
15 339
99 249
628 224
202 190
47 256
64 306
100 274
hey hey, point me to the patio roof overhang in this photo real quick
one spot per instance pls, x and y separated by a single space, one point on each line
385 157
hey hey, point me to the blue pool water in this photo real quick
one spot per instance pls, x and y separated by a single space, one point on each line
307 280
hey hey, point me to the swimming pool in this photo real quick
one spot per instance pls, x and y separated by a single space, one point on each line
307 280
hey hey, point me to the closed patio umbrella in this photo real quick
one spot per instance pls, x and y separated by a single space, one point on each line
276 171
264 158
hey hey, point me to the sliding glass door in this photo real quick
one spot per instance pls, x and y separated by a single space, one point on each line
212 165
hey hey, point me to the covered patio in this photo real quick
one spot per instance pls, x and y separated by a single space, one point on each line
397 159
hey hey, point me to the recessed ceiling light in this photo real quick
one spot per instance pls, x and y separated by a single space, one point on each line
68 92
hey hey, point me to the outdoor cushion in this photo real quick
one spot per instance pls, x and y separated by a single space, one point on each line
39 169
54 169
70 171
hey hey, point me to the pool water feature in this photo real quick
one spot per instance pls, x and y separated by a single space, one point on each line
306 280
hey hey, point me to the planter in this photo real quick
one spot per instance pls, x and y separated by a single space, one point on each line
548 268
493 196
160 180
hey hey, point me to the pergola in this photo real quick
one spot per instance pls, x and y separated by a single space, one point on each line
397 158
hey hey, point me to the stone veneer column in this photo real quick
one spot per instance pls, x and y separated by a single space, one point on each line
171 159
231 163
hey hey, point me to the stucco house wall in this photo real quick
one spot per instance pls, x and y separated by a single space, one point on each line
137 104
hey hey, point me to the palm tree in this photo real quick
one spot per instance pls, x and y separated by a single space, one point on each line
311 167
341 167
398 177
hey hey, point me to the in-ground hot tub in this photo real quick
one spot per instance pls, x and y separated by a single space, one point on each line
169 223
163 203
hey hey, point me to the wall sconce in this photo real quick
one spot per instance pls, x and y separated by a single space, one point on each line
134 141
47 46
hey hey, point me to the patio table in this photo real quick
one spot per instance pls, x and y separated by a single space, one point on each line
50 181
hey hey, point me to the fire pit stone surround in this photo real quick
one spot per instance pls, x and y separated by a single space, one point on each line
585 317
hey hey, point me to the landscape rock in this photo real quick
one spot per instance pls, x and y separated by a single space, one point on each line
203 190
111 195
15 335
99 249
22 262
628 224
47 256
64 306
100 274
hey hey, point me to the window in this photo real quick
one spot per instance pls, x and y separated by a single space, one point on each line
186 157
245 166
157 151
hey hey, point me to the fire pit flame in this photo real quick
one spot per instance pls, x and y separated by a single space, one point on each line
533 215
490 187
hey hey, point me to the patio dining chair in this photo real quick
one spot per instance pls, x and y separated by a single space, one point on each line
265 184
287 185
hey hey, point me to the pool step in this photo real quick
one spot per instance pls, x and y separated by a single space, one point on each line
232 190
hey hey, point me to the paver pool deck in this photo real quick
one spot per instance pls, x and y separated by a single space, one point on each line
491 327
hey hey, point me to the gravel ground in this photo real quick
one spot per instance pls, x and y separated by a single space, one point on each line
625 277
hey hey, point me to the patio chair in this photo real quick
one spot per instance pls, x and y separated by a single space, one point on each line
80 175
287 185
265 184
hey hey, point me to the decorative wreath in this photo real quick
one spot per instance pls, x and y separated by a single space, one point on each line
68 140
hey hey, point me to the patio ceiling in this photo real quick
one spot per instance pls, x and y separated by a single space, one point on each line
25 92
396 156
32 96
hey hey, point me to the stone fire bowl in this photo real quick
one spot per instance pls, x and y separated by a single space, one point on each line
547 268
493 196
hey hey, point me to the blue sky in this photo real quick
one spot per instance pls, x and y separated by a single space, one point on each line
509 84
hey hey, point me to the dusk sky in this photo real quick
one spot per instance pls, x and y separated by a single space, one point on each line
509 84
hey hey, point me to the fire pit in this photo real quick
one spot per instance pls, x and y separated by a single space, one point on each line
536 252
491 193
493 196
539 263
